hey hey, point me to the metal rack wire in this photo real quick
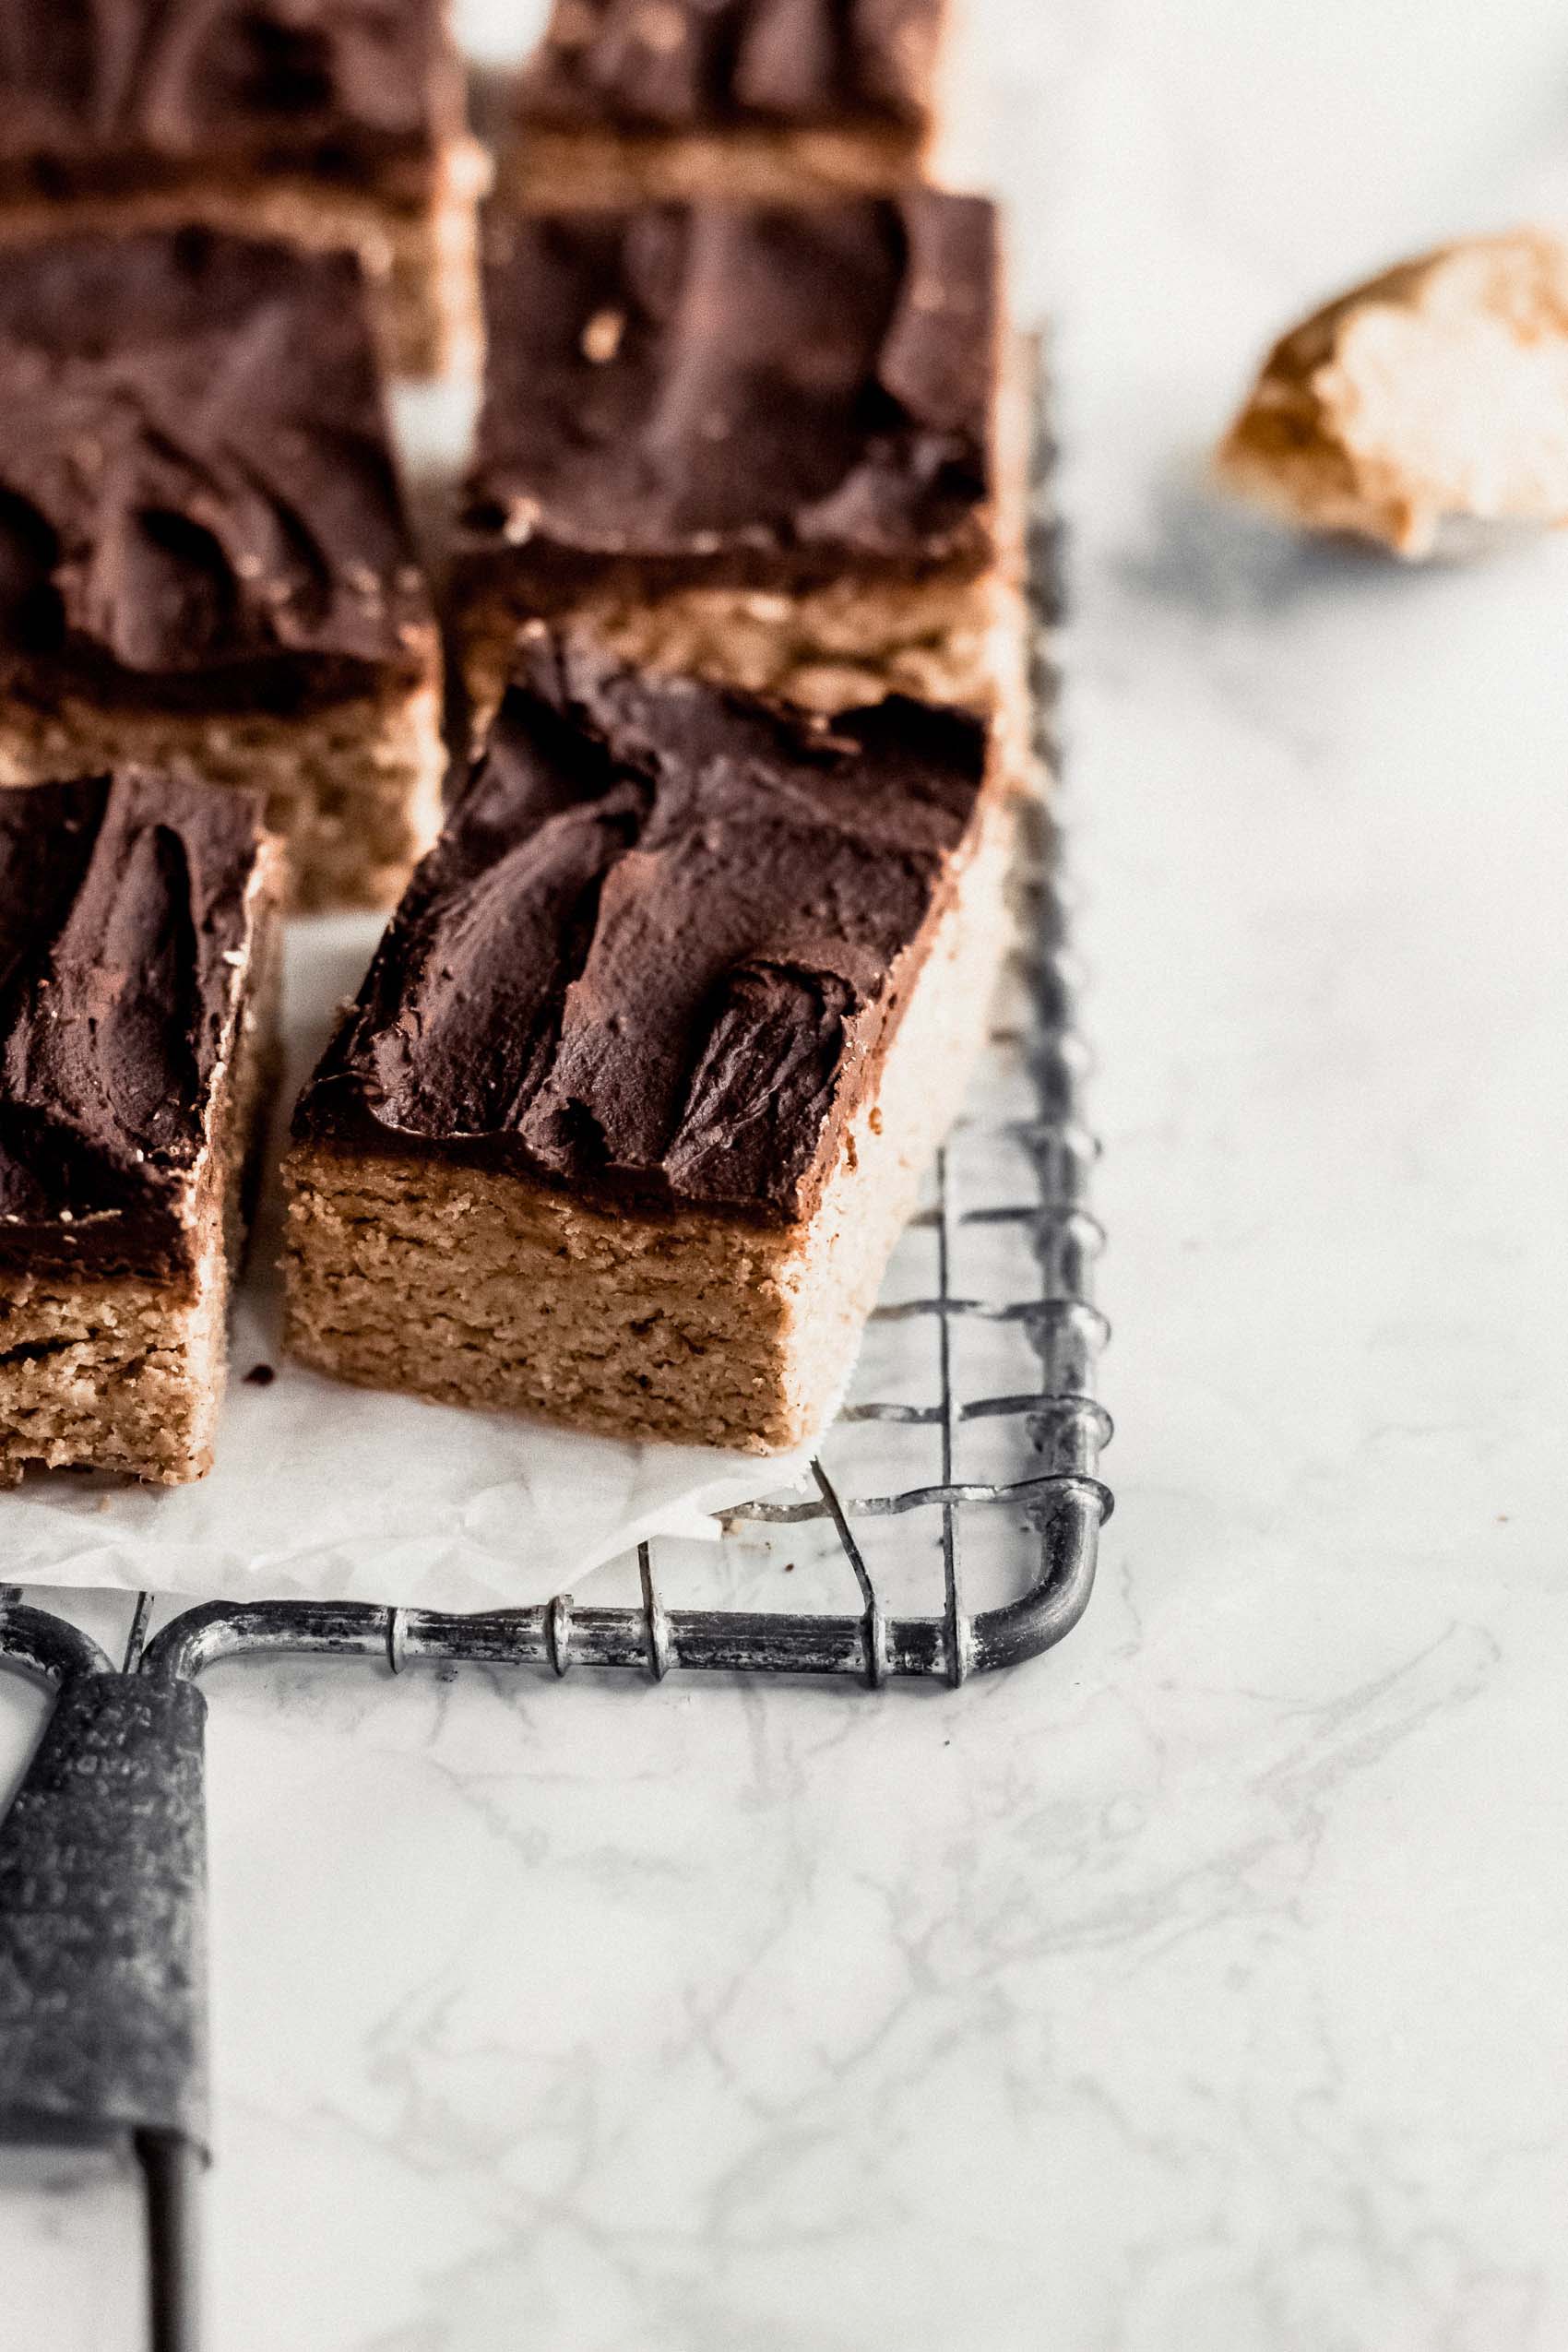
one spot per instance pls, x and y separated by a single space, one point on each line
987 1473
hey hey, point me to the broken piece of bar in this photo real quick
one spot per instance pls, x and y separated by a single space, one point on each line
138 968
782 447
1429 404
632 101
330 122
636 1096
204 552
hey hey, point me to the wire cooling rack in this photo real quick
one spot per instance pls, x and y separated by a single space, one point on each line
956 1506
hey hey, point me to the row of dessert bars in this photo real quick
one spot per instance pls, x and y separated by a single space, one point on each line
205 552
636 1093
756 443
333 124
344 123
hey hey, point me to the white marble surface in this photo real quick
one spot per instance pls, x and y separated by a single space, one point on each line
1203 1988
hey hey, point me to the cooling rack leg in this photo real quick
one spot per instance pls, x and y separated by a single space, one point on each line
171 2169
102 1958
102 1905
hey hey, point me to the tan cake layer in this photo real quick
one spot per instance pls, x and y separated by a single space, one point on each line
421 259
115 1376
829 648
354 790
1436 393
127 1374
494 1291
556 171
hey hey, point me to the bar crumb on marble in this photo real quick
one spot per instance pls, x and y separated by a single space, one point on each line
1425 405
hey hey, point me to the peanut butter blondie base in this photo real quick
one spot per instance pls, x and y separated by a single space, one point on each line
491 1291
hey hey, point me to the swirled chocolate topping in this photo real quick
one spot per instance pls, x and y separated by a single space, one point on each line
98 96
693 64
124 939
762 394
198 498
661 946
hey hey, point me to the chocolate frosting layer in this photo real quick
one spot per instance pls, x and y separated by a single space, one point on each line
755 393
100 95
697 64
123 942
661 948
197 497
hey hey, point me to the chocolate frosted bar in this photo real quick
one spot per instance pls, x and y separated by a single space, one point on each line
204 554
634 1098
627 101
137 989
332 123
775 447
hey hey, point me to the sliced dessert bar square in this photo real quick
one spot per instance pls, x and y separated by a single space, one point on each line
138 966
628 102
636 1098
332 123
778 446
204 552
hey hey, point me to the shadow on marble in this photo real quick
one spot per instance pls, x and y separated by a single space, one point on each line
1207 555
64 2169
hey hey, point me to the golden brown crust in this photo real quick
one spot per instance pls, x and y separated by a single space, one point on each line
354 790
